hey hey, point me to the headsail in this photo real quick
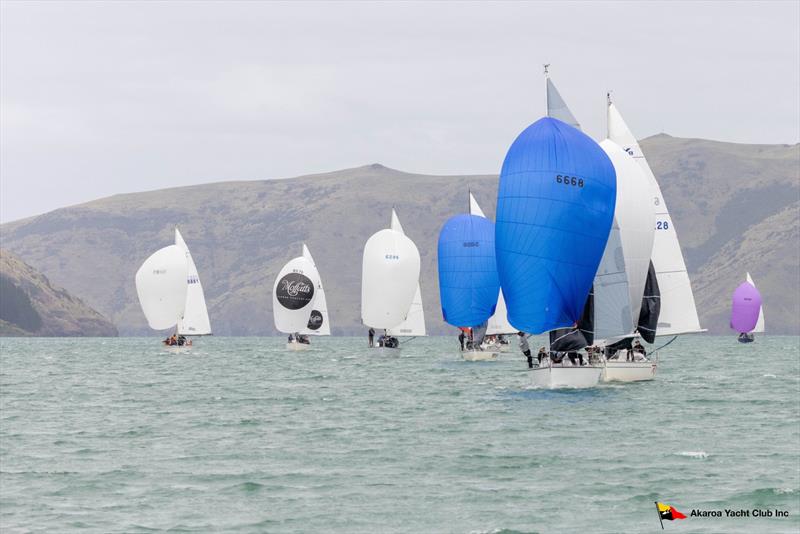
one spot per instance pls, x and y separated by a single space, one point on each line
635 217
195 321
759 328
161 287
318 321
651 307
498 323
678 311
468 282
389 277
555 207
414 325
294 294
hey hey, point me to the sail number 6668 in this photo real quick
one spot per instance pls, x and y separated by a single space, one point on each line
569 180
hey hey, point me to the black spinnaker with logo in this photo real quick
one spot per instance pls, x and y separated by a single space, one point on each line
294 291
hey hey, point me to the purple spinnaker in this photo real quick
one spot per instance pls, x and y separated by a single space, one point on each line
745 307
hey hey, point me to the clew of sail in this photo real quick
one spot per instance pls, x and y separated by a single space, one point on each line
678 310
195 321
161 287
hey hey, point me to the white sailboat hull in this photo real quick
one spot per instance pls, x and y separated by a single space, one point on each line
556 377
295 346
614 371
479 355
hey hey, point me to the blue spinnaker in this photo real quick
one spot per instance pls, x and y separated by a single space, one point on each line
468 282
555 206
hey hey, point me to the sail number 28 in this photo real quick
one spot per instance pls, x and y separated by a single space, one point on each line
569 180
662 225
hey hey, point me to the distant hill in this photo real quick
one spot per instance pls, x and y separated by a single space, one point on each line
31 306
735 208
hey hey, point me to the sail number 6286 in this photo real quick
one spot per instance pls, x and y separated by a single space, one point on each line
569 180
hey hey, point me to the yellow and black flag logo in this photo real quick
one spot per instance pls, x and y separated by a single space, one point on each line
667 512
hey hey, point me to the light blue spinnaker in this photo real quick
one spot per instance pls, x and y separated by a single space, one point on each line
555 206
468 282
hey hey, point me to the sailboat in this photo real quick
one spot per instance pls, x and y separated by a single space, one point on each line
298 302
668 306
747 313
555 209
468 281
171 295
391 299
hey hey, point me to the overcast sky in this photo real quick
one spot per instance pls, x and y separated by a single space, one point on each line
105 98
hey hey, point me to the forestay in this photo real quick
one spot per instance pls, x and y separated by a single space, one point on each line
555 207
161 287
195 321
678 311
389 277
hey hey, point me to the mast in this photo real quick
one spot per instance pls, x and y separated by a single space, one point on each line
546 92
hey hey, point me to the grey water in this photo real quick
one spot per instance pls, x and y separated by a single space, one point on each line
239 435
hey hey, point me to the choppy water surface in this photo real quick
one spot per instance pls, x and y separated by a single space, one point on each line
118 435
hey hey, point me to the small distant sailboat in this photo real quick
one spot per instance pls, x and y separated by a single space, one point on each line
170 293
391 299
468 281
555 209
747 312
298 302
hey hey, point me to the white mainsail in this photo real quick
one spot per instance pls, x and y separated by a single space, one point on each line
678 310
161 287
760 323
414 325
389 277
557 108
318 320
294 294
498 323
195 321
